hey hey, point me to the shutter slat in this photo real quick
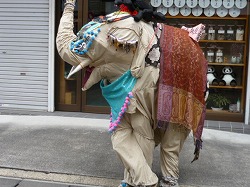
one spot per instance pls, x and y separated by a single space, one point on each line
33 107
24 2
22 48
33 53
24 65
22 57
26 61
25 78
27 86
18 5
23 14
22 82
20 102
28 22
22 98
22 44
24 90
16 10
16 73
22 94
26 70
20 31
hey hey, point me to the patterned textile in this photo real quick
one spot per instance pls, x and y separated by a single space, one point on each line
182 82
195 32
153 56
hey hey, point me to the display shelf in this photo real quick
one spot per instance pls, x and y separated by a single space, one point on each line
225 64
222 41
224 116
225 87
223 112
207 18
227 48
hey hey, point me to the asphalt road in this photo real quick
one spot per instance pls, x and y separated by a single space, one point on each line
78 150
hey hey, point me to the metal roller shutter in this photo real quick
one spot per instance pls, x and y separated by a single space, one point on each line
24 55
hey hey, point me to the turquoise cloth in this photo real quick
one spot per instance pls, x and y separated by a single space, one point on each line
116 92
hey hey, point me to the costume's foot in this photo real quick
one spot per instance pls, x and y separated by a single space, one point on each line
168 182
156 185
124 184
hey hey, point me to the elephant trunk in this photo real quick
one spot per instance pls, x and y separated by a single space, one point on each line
65 31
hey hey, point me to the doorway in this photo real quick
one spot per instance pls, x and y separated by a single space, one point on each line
69 96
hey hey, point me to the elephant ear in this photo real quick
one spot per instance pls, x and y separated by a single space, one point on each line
91 78
138 63
146 34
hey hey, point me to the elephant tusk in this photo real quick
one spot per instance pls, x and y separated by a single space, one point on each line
73 70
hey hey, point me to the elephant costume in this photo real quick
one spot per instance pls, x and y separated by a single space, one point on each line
124 55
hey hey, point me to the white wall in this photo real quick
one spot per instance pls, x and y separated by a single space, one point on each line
247 115
51 67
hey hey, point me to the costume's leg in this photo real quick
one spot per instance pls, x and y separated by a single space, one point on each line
135 149
144 134
171 145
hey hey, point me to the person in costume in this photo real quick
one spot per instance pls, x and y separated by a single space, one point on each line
126 51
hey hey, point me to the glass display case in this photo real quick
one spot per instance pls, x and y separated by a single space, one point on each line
224 43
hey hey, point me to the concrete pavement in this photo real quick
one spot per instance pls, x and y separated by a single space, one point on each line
18 182
70 151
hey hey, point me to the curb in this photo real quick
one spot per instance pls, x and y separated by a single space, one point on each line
71 179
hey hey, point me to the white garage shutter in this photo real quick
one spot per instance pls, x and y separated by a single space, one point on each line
24 41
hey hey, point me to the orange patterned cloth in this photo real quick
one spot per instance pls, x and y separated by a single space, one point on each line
182 82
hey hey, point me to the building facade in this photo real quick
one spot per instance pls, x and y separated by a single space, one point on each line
32 75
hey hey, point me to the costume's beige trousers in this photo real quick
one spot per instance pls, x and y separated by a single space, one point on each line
133 141
171 142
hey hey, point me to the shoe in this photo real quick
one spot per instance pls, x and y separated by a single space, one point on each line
168 182
124 184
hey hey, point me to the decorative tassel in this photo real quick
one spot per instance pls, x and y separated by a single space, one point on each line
198 147
121 43
114 125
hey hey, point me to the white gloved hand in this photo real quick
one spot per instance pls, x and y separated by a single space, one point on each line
70 3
